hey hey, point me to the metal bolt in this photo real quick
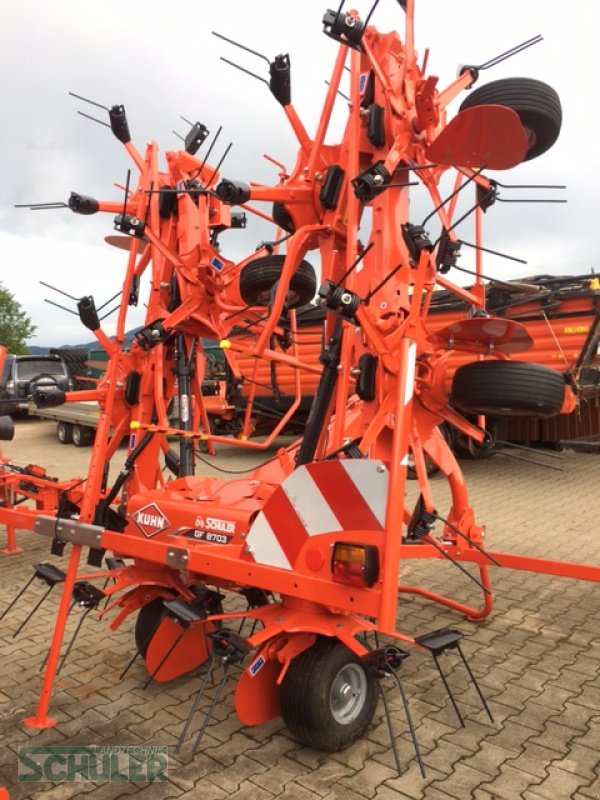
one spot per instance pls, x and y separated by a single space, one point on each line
346 298
381 468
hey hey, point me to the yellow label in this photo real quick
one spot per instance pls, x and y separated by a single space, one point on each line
577 329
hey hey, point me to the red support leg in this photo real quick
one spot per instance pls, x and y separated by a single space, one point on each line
41 718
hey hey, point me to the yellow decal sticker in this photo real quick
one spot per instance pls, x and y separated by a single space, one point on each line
577 329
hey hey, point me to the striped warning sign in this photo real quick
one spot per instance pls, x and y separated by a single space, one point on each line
317 498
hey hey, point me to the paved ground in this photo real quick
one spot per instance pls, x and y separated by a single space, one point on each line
537 659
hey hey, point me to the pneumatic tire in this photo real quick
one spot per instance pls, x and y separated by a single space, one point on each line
507 388
536 103
260 275
328 697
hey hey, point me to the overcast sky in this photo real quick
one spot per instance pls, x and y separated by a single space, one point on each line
160 60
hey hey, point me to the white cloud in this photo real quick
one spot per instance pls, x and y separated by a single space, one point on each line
161 61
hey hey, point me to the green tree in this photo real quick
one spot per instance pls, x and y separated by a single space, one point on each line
15 325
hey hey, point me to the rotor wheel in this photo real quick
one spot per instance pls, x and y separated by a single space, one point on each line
536 103
328 697
260 275
507 388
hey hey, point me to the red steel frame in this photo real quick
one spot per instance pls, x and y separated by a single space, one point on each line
410 395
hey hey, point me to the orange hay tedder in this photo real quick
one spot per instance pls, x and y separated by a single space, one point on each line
312 541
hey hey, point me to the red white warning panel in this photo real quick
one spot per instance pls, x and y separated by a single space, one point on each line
318 498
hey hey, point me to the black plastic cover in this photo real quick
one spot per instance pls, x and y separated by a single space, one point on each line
330 192
119 124
280 82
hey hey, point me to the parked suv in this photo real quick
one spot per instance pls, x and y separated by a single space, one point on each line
23 375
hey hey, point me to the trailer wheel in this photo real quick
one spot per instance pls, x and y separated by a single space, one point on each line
146 624
328 698
536 103
82 436
64 432
260 275
507 388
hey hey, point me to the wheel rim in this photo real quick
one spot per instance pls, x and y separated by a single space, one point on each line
348 694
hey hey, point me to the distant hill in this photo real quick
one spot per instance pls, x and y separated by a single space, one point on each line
38 350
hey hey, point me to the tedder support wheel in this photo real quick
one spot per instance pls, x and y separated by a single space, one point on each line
507 388
259 276
536 103
64 432
82 436
328 698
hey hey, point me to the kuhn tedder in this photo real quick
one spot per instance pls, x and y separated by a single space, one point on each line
312 541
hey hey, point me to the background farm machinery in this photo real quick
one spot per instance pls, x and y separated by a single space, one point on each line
312 540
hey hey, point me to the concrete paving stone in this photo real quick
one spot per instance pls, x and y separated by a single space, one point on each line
230 777
227 753
473 734
555 736
462 782
558 783
534 716
554 697
534 760
489 758
294 791
365 780
358 754
589 697
269 750
323 780
577 716
284 770
515 696
511 784
580 760
591 737
206 789
186 774
591 791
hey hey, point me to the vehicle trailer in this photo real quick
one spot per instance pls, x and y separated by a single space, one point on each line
562 316
76 422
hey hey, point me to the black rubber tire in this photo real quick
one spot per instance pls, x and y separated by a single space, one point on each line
282 218
146 624
306 697
64 432
536 103
507 388
82 436
258 277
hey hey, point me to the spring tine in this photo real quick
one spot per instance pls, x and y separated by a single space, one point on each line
164 658
195 704
143 646
449 691
72 640
19 594
210 711
32 612
388 720
475 683
411 727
